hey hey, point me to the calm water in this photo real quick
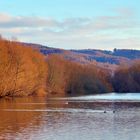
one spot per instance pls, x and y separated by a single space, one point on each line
73 118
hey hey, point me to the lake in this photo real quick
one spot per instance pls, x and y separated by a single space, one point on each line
99 117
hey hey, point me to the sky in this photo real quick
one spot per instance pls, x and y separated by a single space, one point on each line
73 24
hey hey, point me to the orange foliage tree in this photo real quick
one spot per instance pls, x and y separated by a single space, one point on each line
23 70
69 77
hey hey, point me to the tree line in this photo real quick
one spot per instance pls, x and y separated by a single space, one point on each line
71 78
25 71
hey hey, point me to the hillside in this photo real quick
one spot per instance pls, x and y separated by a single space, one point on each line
85 56
104 59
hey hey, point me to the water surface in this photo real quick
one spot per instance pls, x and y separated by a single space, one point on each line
79 118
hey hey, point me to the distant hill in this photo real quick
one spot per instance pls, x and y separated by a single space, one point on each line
102 56
131 54
85 56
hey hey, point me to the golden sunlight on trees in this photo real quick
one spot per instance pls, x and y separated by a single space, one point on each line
73 78
57 74
23 70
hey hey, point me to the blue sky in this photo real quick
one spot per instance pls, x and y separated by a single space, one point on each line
76 24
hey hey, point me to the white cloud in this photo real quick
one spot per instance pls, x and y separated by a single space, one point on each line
105 32
4 18
124 11
8 21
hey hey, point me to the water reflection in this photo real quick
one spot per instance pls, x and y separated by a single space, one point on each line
11 123
67 119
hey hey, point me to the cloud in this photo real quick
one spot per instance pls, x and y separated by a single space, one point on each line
124 11
103 22
8 21
104 32
4 18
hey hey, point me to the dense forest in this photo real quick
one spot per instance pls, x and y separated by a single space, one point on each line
25 71
72 78
127 78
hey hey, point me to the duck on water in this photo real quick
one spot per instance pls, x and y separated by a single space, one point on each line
106 111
